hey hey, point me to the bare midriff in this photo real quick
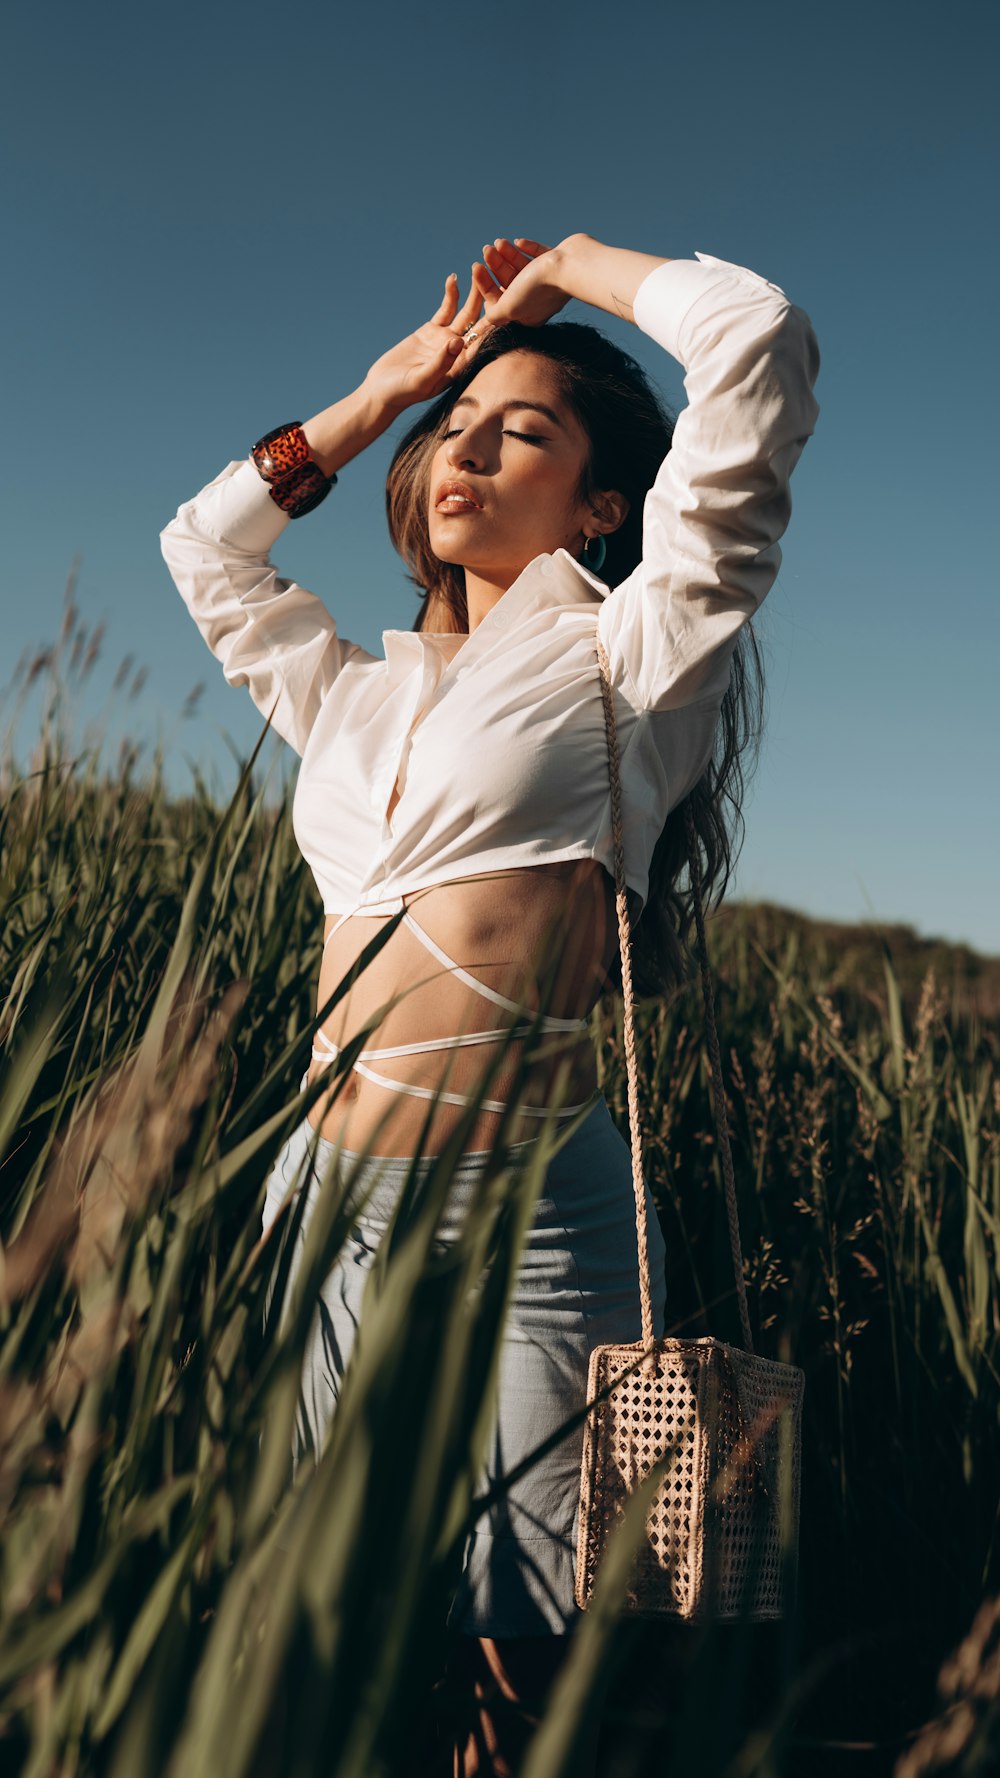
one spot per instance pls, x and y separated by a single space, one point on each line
541 937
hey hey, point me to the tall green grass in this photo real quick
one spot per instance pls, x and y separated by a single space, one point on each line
171 1597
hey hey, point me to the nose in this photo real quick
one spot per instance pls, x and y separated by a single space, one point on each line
469 450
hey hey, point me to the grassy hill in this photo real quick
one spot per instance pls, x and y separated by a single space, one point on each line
844 956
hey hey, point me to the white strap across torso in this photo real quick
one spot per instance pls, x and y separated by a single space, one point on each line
329 1050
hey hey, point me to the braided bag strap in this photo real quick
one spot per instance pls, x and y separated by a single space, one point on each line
625 947
631 1069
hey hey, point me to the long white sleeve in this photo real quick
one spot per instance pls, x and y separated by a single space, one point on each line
270 634
721 500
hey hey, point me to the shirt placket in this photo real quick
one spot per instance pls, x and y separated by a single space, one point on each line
393 768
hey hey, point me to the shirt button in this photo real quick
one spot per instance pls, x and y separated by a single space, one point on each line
546 568
499 621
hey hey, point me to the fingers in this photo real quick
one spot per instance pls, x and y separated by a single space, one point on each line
504 261
486 286
501 263
449 302
491 278
482 280
470 316
470 308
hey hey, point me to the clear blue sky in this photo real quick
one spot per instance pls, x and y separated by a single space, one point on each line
222 213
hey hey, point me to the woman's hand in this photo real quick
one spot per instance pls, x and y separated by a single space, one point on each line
537 281
532 280
423 364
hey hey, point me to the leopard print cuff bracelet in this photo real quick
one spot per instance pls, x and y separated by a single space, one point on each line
295 480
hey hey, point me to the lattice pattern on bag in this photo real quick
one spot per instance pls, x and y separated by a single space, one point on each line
625 1437
666 1409
760 1393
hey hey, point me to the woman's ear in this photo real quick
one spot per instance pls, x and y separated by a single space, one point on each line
611 508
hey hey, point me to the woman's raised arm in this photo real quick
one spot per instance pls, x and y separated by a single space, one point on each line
271 635
721 499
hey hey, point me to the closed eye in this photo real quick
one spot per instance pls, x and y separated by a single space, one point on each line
508 432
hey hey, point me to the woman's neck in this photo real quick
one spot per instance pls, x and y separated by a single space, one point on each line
483 592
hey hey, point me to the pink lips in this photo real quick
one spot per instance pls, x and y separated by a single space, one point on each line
449 495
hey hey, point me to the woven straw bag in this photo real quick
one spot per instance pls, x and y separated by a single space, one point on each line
724 1423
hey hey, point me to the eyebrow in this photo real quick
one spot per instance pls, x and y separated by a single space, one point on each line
535 407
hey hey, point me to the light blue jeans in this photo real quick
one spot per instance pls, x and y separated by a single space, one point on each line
577 1288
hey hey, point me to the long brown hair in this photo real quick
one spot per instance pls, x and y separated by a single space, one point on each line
630 433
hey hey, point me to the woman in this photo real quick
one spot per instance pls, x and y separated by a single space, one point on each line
463 778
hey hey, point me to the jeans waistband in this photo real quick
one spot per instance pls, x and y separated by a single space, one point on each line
401 1164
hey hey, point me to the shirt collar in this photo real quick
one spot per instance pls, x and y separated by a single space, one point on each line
548 580
408 649
557 579
572 573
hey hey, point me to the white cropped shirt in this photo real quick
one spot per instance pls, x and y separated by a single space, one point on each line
496 739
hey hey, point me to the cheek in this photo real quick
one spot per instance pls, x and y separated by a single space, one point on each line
436 472
550 492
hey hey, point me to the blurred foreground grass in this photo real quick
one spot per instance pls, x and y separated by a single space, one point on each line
163 1584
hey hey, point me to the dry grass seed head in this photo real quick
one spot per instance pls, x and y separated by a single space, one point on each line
143 1128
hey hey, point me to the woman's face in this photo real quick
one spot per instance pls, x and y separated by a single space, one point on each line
505 477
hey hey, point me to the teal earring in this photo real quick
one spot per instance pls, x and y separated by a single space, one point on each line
594 551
